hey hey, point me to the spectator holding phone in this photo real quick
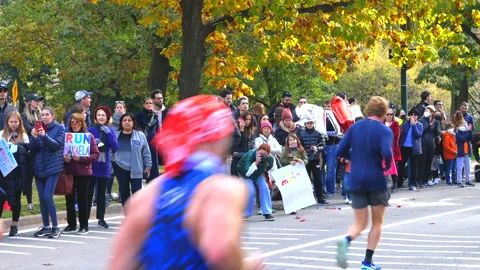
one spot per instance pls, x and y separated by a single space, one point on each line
31 113
48 139
12 183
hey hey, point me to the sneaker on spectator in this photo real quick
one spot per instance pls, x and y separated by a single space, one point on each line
370 266
108 198
469 184
82 231
412 187
323 201
436 180
460 185
42 231
259 212
430 183
30 207
269 217
13 231
54 233
346 200
69 229
102 223
246 218
329 195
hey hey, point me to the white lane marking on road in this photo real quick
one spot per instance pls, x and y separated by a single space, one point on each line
310 266
408 202
64 225
286 229
46 240
114 227
115 222
258 243
322 241
286 234
91 231
387 263
269 238
425 240
25 246
432 235
84 236
13 252
409 250
395 256
414 245
250 248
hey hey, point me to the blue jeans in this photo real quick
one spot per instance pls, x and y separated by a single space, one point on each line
449 164
331 168
126 185
46 187
265 199
463 161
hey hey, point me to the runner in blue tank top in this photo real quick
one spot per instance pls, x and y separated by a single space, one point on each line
190 217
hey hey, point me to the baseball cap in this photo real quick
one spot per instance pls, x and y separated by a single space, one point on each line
286 94
81 94
3 85
35 97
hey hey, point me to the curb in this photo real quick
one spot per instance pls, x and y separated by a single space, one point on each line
114 209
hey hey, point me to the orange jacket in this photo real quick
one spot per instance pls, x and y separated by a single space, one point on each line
449 146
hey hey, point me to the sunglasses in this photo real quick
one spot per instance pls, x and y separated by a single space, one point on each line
3 90
74 123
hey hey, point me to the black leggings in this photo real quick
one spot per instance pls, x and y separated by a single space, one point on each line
407 153
316 174
16 209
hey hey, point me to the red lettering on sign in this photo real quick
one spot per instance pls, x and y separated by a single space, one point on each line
68 138
284 182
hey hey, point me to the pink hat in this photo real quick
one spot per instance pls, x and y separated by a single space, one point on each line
266 124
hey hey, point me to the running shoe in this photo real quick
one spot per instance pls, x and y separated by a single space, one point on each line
102 223
54 233
269 217
82 231
43 231
370 266
69 229
342 252
30 207
461 185
469 184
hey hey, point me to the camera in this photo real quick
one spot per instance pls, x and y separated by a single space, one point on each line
264 157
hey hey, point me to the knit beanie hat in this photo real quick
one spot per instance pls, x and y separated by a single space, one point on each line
106 110
286 114
266 124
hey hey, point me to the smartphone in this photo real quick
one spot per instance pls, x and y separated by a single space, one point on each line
38 124
13 137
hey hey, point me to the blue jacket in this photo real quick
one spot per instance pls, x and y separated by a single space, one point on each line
417 132
370 142
103 167
48 151
463 138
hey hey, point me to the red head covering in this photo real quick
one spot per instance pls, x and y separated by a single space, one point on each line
106 110
191 122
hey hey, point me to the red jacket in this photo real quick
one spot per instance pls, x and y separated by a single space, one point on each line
397 154
449 146
83 166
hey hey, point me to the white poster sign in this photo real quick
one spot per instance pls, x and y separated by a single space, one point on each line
8 162
295 187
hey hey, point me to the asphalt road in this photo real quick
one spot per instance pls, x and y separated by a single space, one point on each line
433 228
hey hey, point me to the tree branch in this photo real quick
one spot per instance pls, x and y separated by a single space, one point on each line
325 8
468 31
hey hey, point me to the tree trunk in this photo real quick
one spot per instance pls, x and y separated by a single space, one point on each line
159 69
270 87
463 91
193 51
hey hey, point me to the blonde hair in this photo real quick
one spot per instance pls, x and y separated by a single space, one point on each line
7 131
376 106
79 118
36 115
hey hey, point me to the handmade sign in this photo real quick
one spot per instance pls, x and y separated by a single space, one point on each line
295 187
77 144
7 160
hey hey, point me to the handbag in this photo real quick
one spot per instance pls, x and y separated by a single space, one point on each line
64 184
